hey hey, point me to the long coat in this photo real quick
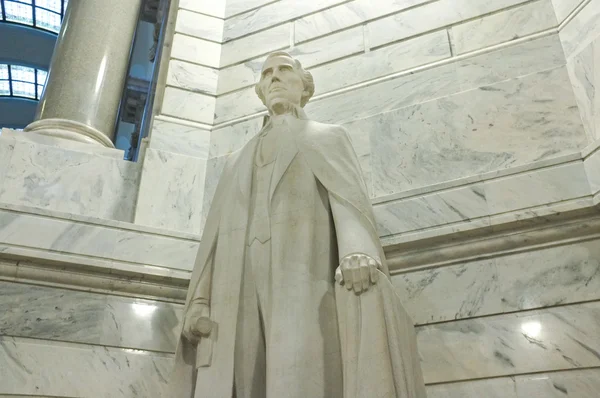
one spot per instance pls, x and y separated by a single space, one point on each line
316 185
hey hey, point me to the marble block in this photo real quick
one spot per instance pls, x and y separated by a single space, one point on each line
188 105
214 8
581 30
173 201
234 7
192 77
192 49
257 44
592 169
180 139
563 8
199 25
69 181
329 48
227 139
503 26
584 71
508 124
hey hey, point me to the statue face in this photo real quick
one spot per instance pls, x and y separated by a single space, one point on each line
280 84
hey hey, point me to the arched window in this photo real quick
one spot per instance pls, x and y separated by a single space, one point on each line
41 14
21 81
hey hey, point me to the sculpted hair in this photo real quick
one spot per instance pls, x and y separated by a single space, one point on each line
306 76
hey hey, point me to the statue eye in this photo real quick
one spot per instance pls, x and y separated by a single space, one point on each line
267 73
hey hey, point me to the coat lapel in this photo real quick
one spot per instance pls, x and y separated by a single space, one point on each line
286 153
245 166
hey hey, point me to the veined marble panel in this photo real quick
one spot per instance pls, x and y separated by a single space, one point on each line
192 77
511 62
272 14
331 47
384 61
214 8
556 338
431 16
584 71
7 148
563 8
581 30
537 188
199 25
260 43
347 15
70 181
237 104
181 139
234 7
508 124
584 383
196 50
503 26
95 241
173 201
33 367
385 96
513 282
81 317
188 105
240 76
225 140
421 212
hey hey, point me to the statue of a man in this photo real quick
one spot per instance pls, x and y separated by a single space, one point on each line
290 295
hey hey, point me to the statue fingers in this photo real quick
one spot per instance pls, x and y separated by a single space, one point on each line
346 272
338 275
373 267
356 277
364 273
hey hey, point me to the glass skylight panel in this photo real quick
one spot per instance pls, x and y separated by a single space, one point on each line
40 89
21 89
3 71
22 73
19 12
53 5
47 19
41 76
4 87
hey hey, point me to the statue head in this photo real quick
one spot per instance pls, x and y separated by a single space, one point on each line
284 83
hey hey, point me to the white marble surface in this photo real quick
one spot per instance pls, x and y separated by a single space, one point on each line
271 15
66 180
188 105
503 26
331 47
257 44
239 76
199 25
381 62
192 77
514 282
346 15
80 317
556 338
234 7
214 167
31 367
85 240
237 104
225 140
584 71
504 125
592 169
171 191
583 383
215 8
537 188
563 8
581 30
431 16
196 50
181 139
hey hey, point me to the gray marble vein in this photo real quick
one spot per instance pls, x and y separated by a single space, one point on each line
513 282
551 339
33 367
234 7
196 50
260 43
508 124
199 25
214 8
180 139
188 105
225 140
192 77
581 30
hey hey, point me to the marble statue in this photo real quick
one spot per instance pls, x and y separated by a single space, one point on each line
290 294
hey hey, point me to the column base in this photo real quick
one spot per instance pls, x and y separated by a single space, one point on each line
69 130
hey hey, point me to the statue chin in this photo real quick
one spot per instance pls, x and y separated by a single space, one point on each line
281 106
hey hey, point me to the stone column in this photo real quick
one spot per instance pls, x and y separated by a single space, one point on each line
88 71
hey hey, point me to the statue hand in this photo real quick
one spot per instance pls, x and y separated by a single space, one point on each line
357 271
196 323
